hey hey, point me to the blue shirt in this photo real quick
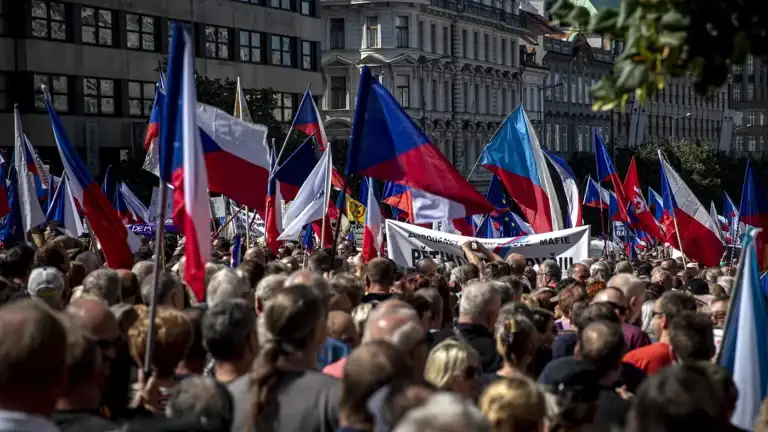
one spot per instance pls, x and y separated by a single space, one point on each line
332 351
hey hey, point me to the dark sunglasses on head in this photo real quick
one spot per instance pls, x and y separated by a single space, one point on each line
472 372
619 308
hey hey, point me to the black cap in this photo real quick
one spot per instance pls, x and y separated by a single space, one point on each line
576 378
696 287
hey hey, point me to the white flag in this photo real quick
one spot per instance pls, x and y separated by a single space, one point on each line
31 213
310 202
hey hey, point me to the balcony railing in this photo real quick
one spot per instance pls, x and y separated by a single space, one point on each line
479 10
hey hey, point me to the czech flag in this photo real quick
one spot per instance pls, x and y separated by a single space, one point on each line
571 189
606 172
387 145
514 154
593 195
64 211
753 211
103 220
135 206
40 173
373 234
273 221
5 206
182 138
309 121
152 160
656 203
502 215
398 197
638 210
696 229
31 213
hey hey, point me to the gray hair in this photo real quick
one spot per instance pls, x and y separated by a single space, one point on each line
476 299
712 275
444 411
600 271
312 279
225 284
202 398
269 285
511 311
629 284
142 270
459 275
623 267
104 283
646 314
398 325
552 269
726 282
89 260
169 283
226 328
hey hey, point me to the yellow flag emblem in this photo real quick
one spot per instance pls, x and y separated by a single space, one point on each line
355 211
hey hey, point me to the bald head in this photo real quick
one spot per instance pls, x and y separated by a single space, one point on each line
390 321
142 270
610 295
662 277
95 317
312 279
256 255
630 285
517 263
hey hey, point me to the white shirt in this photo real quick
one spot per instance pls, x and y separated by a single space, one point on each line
18 421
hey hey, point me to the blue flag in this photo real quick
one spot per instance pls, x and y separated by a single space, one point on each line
12 231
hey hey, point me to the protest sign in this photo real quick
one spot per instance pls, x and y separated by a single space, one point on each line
154 204
406 244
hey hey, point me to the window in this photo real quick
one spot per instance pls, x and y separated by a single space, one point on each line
141 95
737 92
280 4
308 7
4 101
433 38
433 103
403 90
3 17
216 42
401 30
98 96
548 136
752 116
96 26
564 129
762 118
338 35
250 47
762 143
750 64
503 104
140 32
446 96
49 20
574 89
751 143
338 92
580 136
739 143
308 55
256 2
464 43
737 69
372 32
476 99
465 96
476 46
421 35
557 89
750 91
58 87
503 51
557 137
488 99
487 47
446 41
283 111
282 51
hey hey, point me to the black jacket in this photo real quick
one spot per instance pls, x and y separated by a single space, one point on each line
479 338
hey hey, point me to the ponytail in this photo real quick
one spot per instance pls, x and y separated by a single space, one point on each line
264 379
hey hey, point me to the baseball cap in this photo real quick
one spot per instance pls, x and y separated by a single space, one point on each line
45 282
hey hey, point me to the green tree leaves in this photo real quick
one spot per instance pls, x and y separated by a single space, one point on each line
671 38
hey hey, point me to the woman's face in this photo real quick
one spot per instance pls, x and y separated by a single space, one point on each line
467 382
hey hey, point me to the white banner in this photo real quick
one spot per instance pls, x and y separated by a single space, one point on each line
406 244
154 205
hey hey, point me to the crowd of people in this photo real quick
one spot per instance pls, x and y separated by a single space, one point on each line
323 342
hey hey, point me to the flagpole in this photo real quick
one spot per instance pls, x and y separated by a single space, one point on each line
239 103
227 222
159 252
677 231
327 197
288 135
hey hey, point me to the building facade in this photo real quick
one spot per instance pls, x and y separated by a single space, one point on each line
100 60
454 66
749 102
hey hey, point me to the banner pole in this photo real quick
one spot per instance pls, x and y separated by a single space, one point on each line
227 222
159 252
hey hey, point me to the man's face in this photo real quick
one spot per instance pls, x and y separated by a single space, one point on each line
657 321
718 311
581 273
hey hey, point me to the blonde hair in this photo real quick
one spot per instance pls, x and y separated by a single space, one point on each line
529 300
516 339
360 314
174 336
447 360
514 404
